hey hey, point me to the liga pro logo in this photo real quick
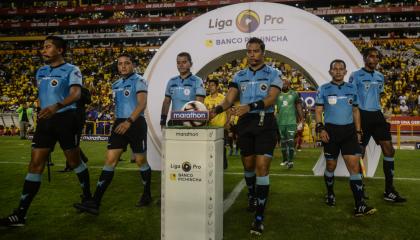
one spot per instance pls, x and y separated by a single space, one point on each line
247 21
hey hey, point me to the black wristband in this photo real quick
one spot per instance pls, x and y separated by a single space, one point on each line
60 105
259 105
218 109
359 132
130 120
163 119
319 127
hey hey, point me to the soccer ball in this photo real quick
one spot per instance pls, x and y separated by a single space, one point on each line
194 106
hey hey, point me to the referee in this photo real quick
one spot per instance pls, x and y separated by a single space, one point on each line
369 84
342 132
257 88
59 85
181 89
130 95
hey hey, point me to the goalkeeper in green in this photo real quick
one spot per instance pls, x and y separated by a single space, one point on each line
289 113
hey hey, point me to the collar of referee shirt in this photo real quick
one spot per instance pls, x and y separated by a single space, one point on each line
128 76
258 69
341 83
182 79
59 65
367 70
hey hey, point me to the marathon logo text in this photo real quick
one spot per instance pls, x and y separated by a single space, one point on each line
190 115
186 134
94 138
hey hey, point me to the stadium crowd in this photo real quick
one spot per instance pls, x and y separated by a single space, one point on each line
400 65
172 12
377 18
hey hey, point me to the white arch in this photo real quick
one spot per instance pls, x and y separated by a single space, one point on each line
300 36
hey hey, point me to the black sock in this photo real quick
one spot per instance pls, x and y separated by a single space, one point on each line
103 183
263 186
30 189
83 176
329 181
250 179
356 186
388 165
291 147
146 176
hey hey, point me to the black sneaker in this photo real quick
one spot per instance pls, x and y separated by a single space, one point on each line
289 165
13 220
89 206
257 228
394 196
84 198
363 210
145 200
252 203
330 200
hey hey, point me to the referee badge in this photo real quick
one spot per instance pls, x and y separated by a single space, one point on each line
243 87
187 91
263 87
350 101
126 93
367 85
54 83
332 100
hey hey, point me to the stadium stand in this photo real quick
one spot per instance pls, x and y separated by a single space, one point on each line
20 20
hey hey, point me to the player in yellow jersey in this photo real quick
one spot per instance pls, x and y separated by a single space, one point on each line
211 101
232 131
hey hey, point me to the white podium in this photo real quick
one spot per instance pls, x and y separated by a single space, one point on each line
192 184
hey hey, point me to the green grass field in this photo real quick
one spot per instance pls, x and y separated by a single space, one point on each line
296 208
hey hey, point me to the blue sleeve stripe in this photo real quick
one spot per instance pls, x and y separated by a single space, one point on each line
141 91
76 84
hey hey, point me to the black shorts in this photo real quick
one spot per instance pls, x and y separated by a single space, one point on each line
254 139
62 127
136 135
342 138
374 125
